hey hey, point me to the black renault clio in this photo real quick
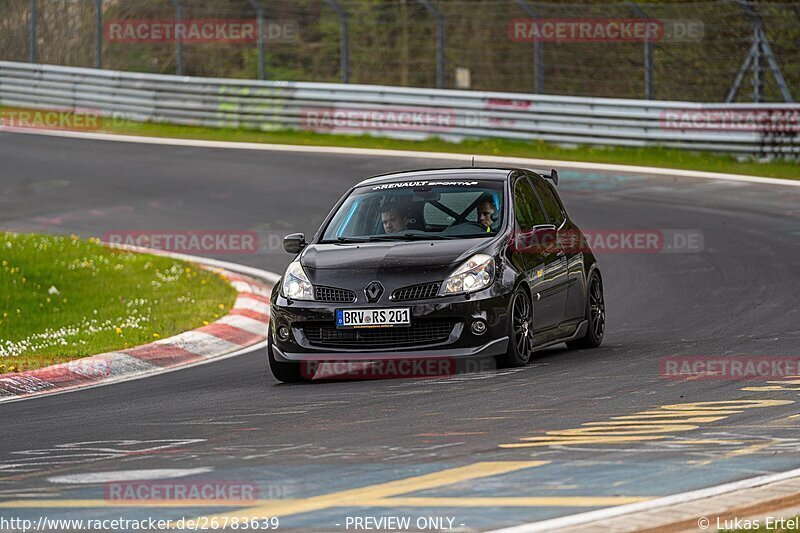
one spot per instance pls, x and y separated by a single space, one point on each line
456 263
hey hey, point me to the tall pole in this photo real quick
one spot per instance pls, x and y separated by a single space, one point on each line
440 41
32 32
261 31
648 54
758 71
344 40
538 51
179 39
98 34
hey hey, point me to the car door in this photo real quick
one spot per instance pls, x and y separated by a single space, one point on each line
544 267
569 271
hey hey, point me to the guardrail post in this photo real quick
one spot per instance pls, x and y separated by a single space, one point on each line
344 36
538 51
648 54
440 63
261 31
98 28
32 32
179 40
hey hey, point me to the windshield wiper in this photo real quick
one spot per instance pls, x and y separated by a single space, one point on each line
410 237
346 239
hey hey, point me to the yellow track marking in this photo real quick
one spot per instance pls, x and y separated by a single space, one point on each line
357 497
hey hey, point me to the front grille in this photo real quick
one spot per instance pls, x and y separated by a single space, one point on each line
419 333
330 294
416 292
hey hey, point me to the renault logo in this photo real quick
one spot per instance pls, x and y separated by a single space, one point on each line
373 291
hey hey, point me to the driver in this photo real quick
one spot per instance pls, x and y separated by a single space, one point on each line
486 209
391 218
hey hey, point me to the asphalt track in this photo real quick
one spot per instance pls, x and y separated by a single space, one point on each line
307 447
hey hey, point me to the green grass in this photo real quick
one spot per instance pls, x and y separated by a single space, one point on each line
62 298
651 156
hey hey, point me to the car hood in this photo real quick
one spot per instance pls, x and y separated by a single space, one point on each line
394 263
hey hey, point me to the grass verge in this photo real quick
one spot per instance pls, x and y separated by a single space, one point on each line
651 156
62 298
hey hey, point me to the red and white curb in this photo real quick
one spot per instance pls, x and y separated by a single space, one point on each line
245 326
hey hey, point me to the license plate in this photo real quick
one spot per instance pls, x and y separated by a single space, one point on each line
373 318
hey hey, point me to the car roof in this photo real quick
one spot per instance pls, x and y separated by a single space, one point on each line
484 173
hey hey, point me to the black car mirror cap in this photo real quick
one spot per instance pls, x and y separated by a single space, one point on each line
538 239
294 243
553 175
545 235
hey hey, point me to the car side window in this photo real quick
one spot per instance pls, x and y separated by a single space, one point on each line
526 207
549 200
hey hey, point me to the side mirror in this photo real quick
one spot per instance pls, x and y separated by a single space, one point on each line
294 243
545 235
537 240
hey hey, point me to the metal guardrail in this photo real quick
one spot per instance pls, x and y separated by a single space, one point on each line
410 113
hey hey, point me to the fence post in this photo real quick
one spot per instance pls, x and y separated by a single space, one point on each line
538 51
32 32
344 50
179 40
440 63
758 70
261 30
648 53
98 45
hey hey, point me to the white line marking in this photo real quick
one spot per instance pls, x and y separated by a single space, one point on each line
242 286
246 323
200 343
464 158
122 363
128 475
249 304
613 512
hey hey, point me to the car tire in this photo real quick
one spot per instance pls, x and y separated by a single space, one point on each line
283 372
520 330
595 316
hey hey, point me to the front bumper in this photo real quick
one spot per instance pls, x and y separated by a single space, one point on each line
489 306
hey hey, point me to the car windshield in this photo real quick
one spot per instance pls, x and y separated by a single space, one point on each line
419 210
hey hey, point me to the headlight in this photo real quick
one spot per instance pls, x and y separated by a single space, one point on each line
475 274
295 284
